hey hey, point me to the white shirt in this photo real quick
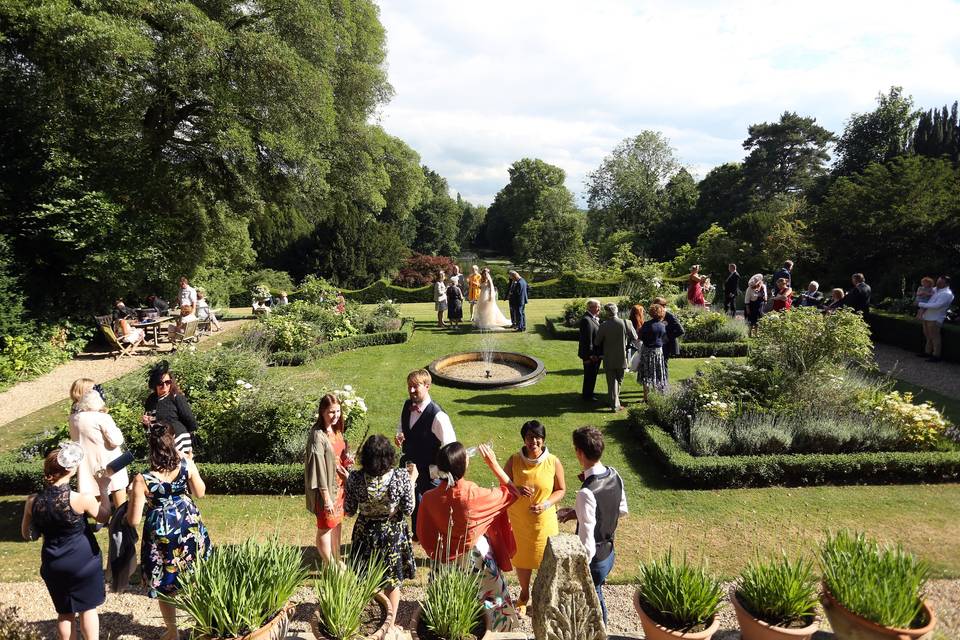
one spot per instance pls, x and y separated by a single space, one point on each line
586 509
188 296
936 309
442 428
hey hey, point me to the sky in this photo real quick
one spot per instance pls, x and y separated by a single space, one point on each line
481 84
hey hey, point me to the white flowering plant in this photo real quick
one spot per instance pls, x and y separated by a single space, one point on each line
353 408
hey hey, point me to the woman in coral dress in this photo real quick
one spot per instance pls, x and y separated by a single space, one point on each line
326 465
695 287
538 475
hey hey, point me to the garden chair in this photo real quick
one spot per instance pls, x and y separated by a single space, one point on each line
118 348
189 334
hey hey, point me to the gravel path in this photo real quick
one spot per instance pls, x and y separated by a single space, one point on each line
26 397
942 377
133 615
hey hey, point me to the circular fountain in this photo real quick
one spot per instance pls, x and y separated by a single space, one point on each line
487 370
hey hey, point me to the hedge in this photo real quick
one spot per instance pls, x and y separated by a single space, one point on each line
27 477
717 472
323 349
906 332
557 329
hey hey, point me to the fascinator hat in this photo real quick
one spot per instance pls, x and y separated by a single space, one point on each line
755 279
70 454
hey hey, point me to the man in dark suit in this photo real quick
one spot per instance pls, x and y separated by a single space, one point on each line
587 351
731 287
517 296
671 348
858 298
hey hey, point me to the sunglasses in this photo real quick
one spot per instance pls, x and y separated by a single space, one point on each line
165 383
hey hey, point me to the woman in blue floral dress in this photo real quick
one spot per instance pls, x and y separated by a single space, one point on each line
173 533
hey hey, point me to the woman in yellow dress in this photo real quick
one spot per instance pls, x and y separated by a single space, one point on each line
538 475
473 287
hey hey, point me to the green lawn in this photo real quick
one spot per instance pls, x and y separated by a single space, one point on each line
725 526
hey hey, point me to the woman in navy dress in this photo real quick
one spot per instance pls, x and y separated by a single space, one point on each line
70 562
173 533
652 372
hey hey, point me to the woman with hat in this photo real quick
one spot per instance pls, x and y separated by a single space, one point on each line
70 562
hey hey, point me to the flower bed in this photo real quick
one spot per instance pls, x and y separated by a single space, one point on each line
294 358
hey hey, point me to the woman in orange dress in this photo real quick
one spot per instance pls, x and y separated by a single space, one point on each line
473 287
326 463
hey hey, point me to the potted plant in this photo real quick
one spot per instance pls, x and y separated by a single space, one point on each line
241 591
873 591
776 600
677 600
349 602
451 609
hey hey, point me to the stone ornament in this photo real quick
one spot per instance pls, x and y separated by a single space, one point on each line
564 601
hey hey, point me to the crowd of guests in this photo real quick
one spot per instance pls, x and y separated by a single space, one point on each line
478 289
191 303
420 476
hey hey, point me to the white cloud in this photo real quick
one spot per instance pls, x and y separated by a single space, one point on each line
480 85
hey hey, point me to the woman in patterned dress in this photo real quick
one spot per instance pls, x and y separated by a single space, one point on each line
173 533
538 476
381 496
325 470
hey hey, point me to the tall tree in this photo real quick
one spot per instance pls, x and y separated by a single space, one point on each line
553 237
437 218
679 222
517 202
938 134
626 191
722 195
472 219
785 156
878 136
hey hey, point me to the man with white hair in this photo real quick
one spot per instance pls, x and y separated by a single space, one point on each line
612 340
587 351
812 296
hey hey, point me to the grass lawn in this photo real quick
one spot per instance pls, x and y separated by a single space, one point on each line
725 526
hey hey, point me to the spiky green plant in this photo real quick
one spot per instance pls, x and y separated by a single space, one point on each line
881 583
343 591
682 595
238 588
452 608
779 592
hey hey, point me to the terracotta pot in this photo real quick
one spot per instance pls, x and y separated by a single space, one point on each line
654 631
753 629
379 598
415 622
849 626
275 629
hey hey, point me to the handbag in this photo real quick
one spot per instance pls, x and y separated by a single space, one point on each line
635 362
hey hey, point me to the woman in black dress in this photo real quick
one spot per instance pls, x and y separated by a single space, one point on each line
70 562
455 303
652 369
167 405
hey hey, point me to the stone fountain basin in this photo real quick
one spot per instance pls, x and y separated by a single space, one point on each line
467 370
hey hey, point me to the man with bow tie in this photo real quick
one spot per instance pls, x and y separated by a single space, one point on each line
423 429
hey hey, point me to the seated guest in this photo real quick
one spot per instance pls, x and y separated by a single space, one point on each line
158 303
126 332
179 328
460 518
281 300
204 312
836 301
120 310
783 297
812 296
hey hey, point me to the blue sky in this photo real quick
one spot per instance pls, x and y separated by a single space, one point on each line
482 84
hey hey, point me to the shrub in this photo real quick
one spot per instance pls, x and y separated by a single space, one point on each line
419 270
805 339
316 290
343 591
238 588
452 609
700 325
919 426
274 281
573 311
643 283
779 592
880 583
678 595
289 333
12 627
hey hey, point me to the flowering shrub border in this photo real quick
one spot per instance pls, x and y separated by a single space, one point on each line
558 330
296 358
717 472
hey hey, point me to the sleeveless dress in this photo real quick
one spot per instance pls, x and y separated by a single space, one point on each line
173 533
487 314
325 520
695 292
531 530
70 562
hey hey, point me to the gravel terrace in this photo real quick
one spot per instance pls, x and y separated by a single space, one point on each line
942 377
26 397
132 615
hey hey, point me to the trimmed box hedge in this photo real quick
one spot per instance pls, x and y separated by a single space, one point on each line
906 332
27 477
296 358
717 472
557 329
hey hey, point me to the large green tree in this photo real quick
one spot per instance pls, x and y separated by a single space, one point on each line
938 134
518 201
437 218
553 237
786 156
877 136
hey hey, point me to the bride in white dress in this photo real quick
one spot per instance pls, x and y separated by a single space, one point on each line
487 315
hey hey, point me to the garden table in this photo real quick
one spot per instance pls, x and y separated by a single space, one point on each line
153 327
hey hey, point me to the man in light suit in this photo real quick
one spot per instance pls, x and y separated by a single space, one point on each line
612 339
589 326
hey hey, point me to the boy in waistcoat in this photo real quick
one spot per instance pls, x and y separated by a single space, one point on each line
423 429
600 503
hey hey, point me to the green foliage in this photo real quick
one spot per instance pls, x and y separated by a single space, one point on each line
275 281
519 201
12 318
315 290
780 592
883 584
877 136
323 349
785 156
806 340
13 627
452 608
437 218
553 236
573 310
343 591
39 350
938 134
238 588
678 595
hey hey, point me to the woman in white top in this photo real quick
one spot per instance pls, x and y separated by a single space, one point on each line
487 315
98 434
440 298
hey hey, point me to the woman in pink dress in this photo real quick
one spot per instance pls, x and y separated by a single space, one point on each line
695 287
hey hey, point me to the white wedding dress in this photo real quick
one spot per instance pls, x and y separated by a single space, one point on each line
487 314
